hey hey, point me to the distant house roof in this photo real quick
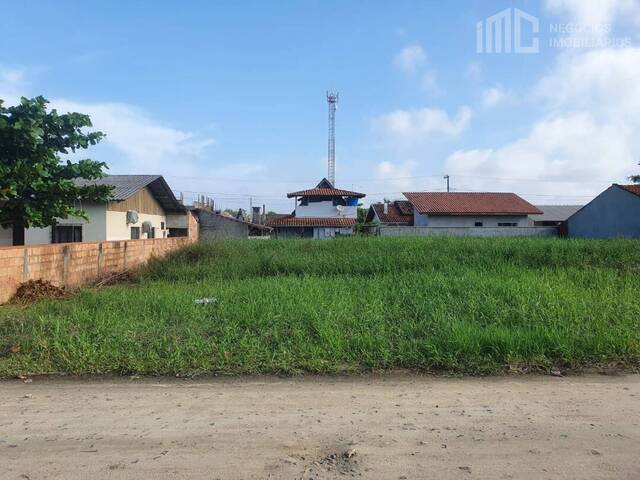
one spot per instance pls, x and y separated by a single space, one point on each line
325 189
630 188
398 212
470 203
291 221
127 185
556 213
205 211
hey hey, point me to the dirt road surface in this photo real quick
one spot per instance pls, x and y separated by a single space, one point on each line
390 427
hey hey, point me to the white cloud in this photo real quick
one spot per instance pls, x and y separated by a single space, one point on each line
496 96
12 85
605 81
422 124
410 59
587 138
591 22
144 144
596 12
396 176
572 147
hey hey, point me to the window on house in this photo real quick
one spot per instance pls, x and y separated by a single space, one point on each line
507 224
66 233
135 233
152 233
162 226
478 224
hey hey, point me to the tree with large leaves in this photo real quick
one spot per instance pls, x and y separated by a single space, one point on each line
37 187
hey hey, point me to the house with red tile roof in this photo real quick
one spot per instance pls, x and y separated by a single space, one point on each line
455 209
397 213
613 213
320 212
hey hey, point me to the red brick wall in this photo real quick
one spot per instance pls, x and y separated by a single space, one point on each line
74 264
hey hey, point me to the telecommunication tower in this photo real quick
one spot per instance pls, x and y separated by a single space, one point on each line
332 100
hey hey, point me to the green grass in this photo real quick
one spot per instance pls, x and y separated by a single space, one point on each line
353 304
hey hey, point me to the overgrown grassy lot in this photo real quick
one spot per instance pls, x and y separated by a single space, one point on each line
433 304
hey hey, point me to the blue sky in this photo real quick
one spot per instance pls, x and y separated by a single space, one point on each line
228 98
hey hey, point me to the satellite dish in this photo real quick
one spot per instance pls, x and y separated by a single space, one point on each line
132 216
340 208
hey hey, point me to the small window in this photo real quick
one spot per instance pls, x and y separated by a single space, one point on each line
478 224
135 233
162 226
66 233
507 224
152 233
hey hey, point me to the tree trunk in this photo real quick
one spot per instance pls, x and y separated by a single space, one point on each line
18 232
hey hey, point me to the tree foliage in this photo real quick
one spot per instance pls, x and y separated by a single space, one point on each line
36 185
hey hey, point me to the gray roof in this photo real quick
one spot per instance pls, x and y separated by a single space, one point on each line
127 185
555 213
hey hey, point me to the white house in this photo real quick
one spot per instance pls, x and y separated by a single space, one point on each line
141 206
320 212
470 209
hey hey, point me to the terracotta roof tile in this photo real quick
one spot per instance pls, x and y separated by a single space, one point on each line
631 188
470 203
292 221
325 192
395 212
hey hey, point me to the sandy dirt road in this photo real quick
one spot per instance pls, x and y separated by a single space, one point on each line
390 427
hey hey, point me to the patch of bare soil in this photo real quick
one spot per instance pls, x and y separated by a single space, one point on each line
322 428
34 290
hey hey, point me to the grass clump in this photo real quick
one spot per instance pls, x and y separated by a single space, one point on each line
466 305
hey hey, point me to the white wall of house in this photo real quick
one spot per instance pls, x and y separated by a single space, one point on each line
325 209
422 220
119 229
103 225
92 230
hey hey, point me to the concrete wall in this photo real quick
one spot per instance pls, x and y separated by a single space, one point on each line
613 213
389 231
74 264
325 209
421 220
213 226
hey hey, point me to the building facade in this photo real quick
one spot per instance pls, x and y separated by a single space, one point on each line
613 213
140 207
320 212
470 209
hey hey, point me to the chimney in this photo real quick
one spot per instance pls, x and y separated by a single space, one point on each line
385 207
255 215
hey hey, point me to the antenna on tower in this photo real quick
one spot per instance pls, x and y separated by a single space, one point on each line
332 100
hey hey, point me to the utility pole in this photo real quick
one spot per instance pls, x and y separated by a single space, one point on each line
446 177
332 100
